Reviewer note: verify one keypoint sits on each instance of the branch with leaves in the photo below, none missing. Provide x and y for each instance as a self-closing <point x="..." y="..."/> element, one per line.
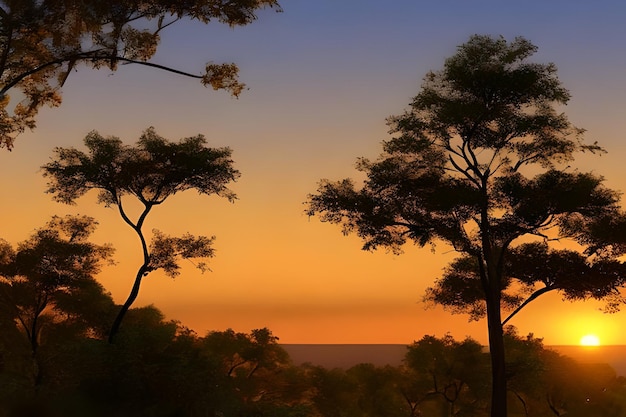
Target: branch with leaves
<point x="42" y="43"/>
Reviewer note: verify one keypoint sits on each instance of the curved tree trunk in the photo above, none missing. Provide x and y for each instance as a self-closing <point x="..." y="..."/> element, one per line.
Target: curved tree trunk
<point x="143" y="270"/>
<point x="129" y="301"/>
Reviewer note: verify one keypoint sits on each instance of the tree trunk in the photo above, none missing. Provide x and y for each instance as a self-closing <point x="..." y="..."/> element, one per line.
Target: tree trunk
<point x="129" y="301"/>
<point x="496" y="352"/>
<point x="490" y="273"/>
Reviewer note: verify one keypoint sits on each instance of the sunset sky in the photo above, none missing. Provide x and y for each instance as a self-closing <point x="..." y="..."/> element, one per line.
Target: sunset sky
<point x="322" y="77"/>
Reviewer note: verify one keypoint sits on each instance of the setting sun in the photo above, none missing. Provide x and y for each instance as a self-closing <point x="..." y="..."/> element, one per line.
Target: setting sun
<point x="590" y="340"/>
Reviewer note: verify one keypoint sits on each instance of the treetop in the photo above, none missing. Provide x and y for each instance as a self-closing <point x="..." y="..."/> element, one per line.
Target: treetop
<point x="151" y="171"/>
<point x="481" y="150"/>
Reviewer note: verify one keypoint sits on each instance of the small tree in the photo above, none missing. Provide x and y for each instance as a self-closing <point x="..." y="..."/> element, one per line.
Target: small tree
<point x="255" y="367"/>
<point x="42" y="42"/>
<point x="48" y="281"/>
<point x="150" y="172"/>
<point x="244" y="354"/>
<point x="478" y="162"/>
<point x="456" y="371"/>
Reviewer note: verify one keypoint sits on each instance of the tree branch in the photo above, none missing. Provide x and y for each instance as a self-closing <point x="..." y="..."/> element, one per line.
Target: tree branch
<point x="161" y="67"/>
<point x="463" y="171"/>
<point x="75" y="57"/>
<point x="93" y="57"/>
<point x="7" y="46"/>
<point x="527" y="301"/>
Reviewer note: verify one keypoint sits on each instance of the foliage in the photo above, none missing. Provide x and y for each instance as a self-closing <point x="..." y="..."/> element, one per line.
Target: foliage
<point x="478" y="162"/>
<point x="258" y="372"/>
<point x="362" y="390"/>
<point x="150" y="172"/>
<point x="456" y="372"/>
<point x="42" y="42"/>
<point x="377" y="393"/>
<point x="160" y="368"/>
<point x="244" y="354"/>
<point x="49" y="279"/>
<point x="531" y="270"/>
<point x="49" y="302"/>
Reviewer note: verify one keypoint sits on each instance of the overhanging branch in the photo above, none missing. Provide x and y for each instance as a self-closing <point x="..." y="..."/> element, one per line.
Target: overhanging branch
<point x="532" y="297"/>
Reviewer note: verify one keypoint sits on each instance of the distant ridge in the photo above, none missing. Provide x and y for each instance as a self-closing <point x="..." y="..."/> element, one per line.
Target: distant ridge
<point x="347" y="355"/>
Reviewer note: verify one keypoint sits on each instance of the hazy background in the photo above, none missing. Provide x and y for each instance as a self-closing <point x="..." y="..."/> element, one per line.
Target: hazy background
<point x="322" y="78"/>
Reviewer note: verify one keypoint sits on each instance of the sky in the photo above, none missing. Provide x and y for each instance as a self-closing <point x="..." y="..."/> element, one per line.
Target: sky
<point x="323" y="76"/>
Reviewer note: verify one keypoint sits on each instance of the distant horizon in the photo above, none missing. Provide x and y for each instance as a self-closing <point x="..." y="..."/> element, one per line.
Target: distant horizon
<point x="409" y="344"/>
<point x="346" y="355"/>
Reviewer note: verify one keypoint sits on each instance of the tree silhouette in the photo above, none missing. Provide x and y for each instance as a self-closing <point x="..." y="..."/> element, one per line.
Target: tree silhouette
<point x="48" y="280"/>
<point x="477" y="162"/>
<point x="257" y="369"/>
<point x="152" y="171"/>
<point x="456" y="371"/>
<point x="42" y="42"/>
<point x="244" y="354"/>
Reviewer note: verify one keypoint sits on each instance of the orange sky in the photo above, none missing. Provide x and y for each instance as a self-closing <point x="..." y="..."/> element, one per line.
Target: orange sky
<point x="322" y="80"/>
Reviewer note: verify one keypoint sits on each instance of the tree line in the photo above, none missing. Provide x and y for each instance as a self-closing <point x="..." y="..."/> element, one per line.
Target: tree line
<point x="160" y="368"/>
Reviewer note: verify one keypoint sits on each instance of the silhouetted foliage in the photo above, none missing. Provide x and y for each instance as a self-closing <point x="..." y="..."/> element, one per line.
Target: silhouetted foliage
<point x="457" y="372"/>
<point x="531" y="270"/>
<point x="258" y="371"/>
<point x="150" y="172"/>
<point x="42" y="42"/>
<point x="332" y="392"/>
<point x="477" y="162"/>
<point x="49" y="302"/>
<point x="50" y="276"/>
<point x="377" y="391"/>
<point x="244" y="354"/>
<point x="159" y="368"/>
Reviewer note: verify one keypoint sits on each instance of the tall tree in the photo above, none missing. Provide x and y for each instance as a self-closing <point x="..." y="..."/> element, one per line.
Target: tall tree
<point x="479" y="161"/>
<point x="43" y="41"/>
<point x="151" y="171"/>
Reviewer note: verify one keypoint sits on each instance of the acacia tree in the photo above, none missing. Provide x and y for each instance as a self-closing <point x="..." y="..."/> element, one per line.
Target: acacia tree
<point x="479" y="161"/>
<point x="151" y="171"/>
<point x="43" y="41"/>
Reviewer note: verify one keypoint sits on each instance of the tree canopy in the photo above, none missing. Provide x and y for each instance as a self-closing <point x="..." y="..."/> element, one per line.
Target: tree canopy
<point x="47" y="274"/>
<point x="456" y="371"/>
<point x="43" y="41"/>
<point x="48" y="291"/>
<point x="149" y="172"/>
<point x="480" y="160"/>
<point x="531" y="270"/>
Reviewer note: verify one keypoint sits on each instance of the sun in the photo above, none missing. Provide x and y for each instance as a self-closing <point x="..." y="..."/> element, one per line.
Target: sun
<point x="590" y="340"/>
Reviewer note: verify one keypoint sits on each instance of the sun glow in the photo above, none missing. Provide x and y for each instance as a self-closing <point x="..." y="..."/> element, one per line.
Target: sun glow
<point x="590" y="340"/>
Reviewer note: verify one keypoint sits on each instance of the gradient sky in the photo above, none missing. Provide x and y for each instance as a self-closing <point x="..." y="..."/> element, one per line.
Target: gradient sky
<point x="322" y="78"/>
